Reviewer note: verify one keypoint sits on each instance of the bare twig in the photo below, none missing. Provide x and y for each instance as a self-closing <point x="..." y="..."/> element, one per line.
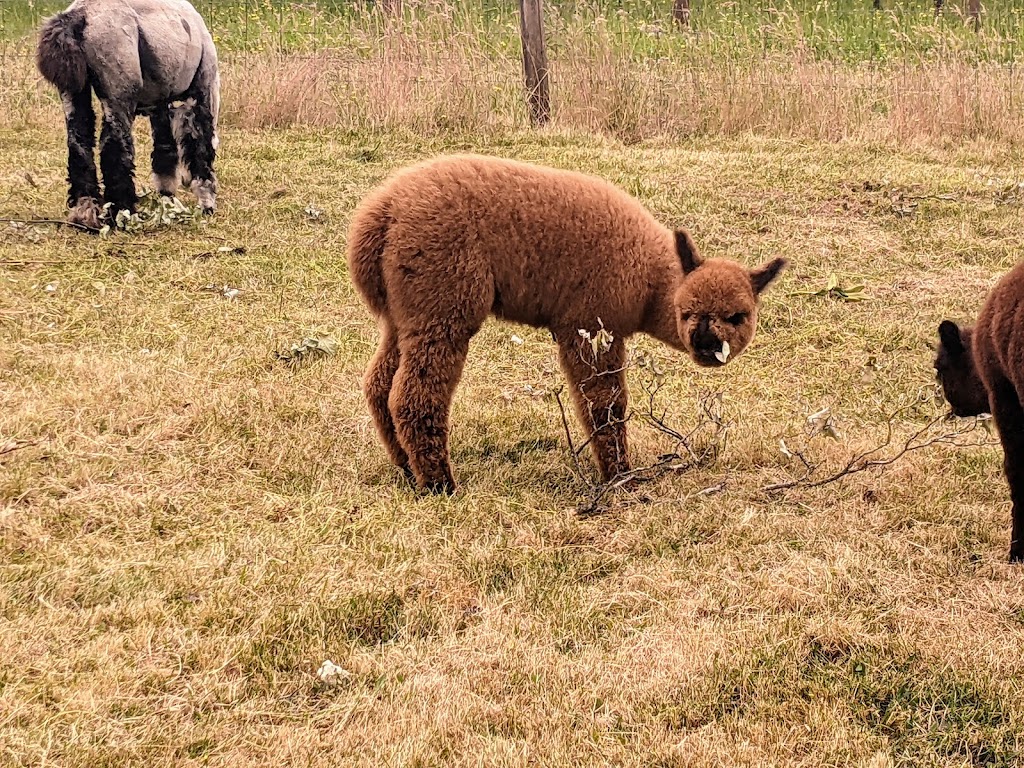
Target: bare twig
<point x="26" y="262"/>
<point x="56" y="222"/>
<point x="700" y="445"/>
<point x="565" y="425"/>
<point x="16" y="445"/>
<point x="863" y="461"/>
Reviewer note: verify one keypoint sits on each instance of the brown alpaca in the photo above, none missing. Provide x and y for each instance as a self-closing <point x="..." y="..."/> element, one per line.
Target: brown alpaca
<point x="981" y="369"/>
<point x="444" y="244"/>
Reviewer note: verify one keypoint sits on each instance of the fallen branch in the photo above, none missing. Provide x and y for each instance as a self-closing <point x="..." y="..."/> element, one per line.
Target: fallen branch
<point x="56" y="222"/>
<point x="864" y="461"/>
<point x="697" y="447"/>
<point x="16" y="445"/>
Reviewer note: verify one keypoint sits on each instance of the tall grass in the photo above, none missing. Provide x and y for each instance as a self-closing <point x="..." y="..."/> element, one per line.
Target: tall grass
<point x="830" y="71"/>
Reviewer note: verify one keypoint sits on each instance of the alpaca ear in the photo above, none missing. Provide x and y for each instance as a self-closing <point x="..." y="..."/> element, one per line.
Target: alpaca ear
<point x="687" y="252"/>
<point x="762" y="277"/>
<point x="949" y="334"/>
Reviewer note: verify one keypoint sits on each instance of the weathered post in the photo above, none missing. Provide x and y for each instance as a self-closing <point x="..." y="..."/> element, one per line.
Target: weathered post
<point x="681" y="12"/>
<point x="535" y="60"/>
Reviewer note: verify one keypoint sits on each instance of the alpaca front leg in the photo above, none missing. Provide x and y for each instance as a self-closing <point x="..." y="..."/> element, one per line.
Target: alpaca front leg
<point x="420" y="401"/>
<point x="599" y="393"/>
<point x="1009" y="417"/>
<point x="83" y="185"/>
<point x="117" y="156"/>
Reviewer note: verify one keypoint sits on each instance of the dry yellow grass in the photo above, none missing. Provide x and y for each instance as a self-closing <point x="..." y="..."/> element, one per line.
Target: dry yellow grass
<point x="188" y="527"/>
<point x="438" y="74"/>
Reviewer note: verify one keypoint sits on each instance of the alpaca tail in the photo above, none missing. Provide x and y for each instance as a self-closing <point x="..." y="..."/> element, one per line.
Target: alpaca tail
<point x="60" y="56"/>
<point x="367" y="238"/>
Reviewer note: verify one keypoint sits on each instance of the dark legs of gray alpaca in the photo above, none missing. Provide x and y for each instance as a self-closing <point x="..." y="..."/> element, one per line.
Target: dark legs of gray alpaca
<point x="165" y="152"/>
<point x="194" y="130"/>
<point x="83" y="186"/>
<point x="117" y="156"/>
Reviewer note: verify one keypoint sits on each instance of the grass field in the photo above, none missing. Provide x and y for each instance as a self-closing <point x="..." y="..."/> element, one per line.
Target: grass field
<point x="847" y="30"/>
<point x="190" y="526"/>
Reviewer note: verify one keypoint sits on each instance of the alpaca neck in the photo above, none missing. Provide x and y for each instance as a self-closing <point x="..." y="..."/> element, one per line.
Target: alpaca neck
<point x="660" y="317"/>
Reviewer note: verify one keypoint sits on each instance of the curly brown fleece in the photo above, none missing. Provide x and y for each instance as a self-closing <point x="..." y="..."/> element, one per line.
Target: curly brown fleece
<point x="982" y="369"/>
<point x="444" y="244"/>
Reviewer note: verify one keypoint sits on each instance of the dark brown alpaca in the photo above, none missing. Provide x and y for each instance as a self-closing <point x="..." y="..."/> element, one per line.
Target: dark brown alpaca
<point x="981" y="370"/>
<point x="442" y="245"/>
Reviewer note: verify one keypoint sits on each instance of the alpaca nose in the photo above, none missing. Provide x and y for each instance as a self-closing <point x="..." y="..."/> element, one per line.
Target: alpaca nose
<point x="708" y="349"/>
<point x="704" y="339"/>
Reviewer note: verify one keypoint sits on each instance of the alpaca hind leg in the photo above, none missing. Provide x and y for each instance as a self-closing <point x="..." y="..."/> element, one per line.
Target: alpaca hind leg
<point x="117" y="155"/>
<point x="192" y="121"/>
<point x="165" y="152"/>
<point x="377" y="387"/>
<point x="1009" y="417"/>
<point x="598" y="386"/>
<point x="83" y="185"/>
<point x="429" y="370"/>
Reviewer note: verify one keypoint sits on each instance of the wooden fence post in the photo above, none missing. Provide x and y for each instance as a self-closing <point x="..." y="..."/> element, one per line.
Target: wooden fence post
<point x="535" y="60"/>
<point x="681" y="12"/>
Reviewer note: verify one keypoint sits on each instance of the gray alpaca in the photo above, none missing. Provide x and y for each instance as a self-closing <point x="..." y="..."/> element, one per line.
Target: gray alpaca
<point x="140" y="57"/>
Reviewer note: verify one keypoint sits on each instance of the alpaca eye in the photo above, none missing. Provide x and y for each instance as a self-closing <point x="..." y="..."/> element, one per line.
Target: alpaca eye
<point x="736" y="319"/>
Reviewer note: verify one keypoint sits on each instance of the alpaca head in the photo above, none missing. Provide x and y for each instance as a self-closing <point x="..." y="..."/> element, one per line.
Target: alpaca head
<point x="954" y="368"/>
<point x="716" y="303"/>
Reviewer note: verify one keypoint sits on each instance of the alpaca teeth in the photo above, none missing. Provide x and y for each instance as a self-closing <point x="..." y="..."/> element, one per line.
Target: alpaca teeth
<point x="723" y="353"/>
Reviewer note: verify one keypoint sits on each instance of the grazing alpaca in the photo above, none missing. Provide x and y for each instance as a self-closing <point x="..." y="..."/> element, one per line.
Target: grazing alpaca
<point x="981" y="370"/>
<point x="141" y="57"/>
<point x="445" y="244"/>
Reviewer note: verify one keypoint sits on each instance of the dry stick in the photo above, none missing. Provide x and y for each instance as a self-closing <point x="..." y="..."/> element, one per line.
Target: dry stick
<point x="58" y="222"/>
<point x="14" y="445"/>
<point x="565" y="425"/>
<point x="676" y="462"/>
<point x="671" y="462"/>
<point x="946" y="198"/>
<point x="861" y="462"/>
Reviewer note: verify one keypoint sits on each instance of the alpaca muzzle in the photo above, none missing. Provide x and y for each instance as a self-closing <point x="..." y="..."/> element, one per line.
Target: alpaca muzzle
<point x="708" y="350"/>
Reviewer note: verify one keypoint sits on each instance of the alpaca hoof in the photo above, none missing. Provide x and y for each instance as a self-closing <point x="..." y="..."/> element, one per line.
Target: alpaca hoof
<point x="1017" y="554"/>
<point x="209" y="211"/>
<point x="205" y="191"/>
<point x="86" y="212"/>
